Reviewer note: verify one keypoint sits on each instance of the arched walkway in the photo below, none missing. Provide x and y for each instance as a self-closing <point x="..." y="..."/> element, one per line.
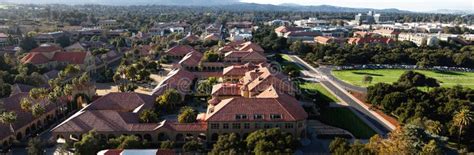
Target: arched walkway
<point x="163" y="137"/>
<point x="179" y="137"/>
<point x="147" y="137"/>
<point x="139" y="136"/>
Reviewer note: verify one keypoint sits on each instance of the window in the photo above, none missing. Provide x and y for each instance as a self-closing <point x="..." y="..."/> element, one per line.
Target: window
<point x="258" y="116"/>
<point x="275" y="116"/>
<point x="246" y="125"/>
<point x="257" y="126"/>
<point x="267" y="126"/>
<point x="300" y="125"/>
<point x="225" y="126"/>
<point x="240" y="116"/>
<point x="235" y="125"/>
<point x="277" y="125"/>
<point x="214" y="126"/>
<point x="289" y="125"/>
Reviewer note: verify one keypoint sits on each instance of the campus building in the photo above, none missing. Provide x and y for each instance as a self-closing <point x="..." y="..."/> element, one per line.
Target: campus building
<point x="263" y="101"/>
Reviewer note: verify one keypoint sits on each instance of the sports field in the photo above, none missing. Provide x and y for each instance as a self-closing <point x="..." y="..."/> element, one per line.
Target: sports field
<point x="446" y="79"/>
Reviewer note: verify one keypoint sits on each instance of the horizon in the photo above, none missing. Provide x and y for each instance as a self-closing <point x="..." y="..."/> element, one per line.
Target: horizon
<point x="408" y="5"/>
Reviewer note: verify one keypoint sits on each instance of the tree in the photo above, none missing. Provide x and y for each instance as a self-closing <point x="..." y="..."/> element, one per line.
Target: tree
<point x="415" y="79"/>
<point x="25" y="104"/>
<point x="210" y="56"/>
<point x="35" y="146"/>
<point x="126" y="142"/>
<point x="187" y="115"/>
<point x="193" y="146"/>
<point x="462" y="119"/>
<point x="8" y="118"/>
<point x="410" y="139"/>
<point x="28" y="43"/>
<point x="228" y="144"/>
<point x="338" y="145"/>
<point x="127" y="87"/>
<point x="167" y="145"/>
<point x="89" y="144"/>
<point x="205" y="87"/>
<point x="64" y="41"/>
<point x="38" y="93"/>
<point x="367" y="79"/>
<point x="298" y="47"/>
<point x="432" y="148"/>
<point x="271" y="140"/>
<point x="5" y="89"/>
<point x="37" y="110"/>
<point x="169" y="100"/>
<point x="148" y="116"/>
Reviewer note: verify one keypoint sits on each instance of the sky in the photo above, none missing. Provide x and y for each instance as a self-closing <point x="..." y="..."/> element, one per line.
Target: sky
<point x="411" y="5"/>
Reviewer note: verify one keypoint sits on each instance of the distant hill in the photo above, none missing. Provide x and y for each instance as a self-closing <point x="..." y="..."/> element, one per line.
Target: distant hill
<point x="313" y="8"/>
<point x="224" y="4"/>
<point x="448" y="11"/>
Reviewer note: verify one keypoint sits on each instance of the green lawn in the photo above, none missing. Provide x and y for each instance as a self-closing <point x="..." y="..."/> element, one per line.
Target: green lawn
<point x="287" y="62"/>
<point x="345" y="119"/>
<point x="317" y="87"/>
<point x="446" y="79"/>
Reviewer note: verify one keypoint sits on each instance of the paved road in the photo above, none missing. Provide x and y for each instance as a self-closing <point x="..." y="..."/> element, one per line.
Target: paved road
<point x="361" y="111"/>
<point x="326" y="70"/>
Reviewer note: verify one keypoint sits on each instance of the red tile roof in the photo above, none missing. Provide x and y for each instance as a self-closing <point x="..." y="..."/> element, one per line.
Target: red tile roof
<point x="47" y="48"/>
<point x="303" y="33"/>
<point x="34" y="58"/>
<point x="103" y="121"/>
<point x="323" y="39"/>
<point x="179" y="79"/>
<point x="236" y="54"/>
<point x="285" y="29"/>
<point x="254" y="57"/>
<point x="368" y="40"/>
<point x="179" y="50"/>
<point x="185" y="127"/>
<point x="191" y="59"/>
<point x="226" y="89"/>
<point x="260" y="79"/>
<point x="237" y="70"/>
<point x="387" y="31"/>
<point x="287" y="106"/>
<point x="249" y="46"/>
<point x="212" y="36"/>
<point x="226" y="49"/>
<point x="191" y="38"/>
<point x="12" y="103"/>
<point x="125" y="102"/>
<point x="70" y="57"/>
<point x="235" y="43"/>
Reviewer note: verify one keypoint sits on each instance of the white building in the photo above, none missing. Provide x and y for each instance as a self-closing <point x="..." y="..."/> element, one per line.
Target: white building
<point x="311" y="22"/>
<point x="419" y="38"/>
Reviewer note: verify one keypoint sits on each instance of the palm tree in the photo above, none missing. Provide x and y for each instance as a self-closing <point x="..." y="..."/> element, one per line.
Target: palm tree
<point x="37" y="110"/>
<point x="35" y="146"/>
<point x="462" y="119"/>
<point x="25" y="104"/>
<point x="8" y="118"/>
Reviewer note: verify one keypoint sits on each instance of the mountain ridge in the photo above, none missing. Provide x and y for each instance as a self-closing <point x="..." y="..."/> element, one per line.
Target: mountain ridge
<point x="231" y="5"/>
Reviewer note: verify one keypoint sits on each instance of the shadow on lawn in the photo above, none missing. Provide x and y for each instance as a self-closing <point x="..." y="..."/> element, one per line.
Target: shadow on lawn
<point x="447" y="72"/>
<point x="363" y="73"/>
